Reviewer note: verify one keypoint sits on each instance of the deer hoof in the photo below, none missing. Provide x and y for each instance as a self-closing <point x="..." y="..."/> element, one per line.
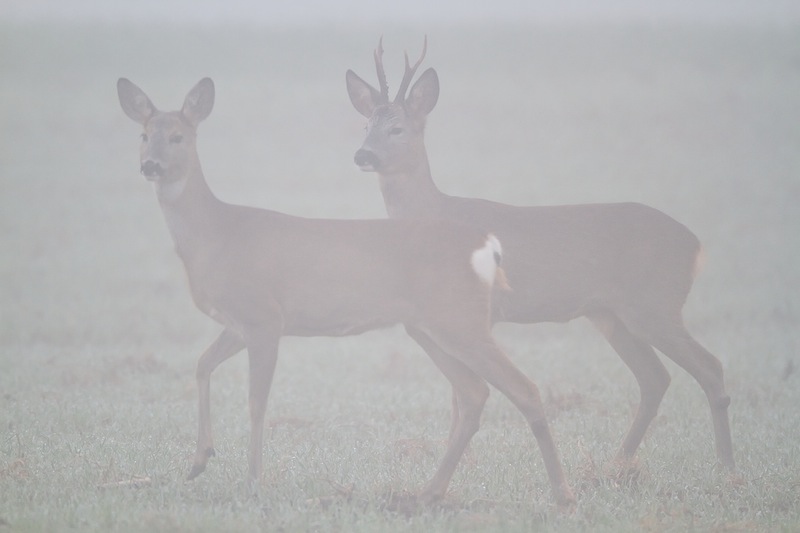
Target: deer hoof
<point x="199" y="466"/>
<point x="195" y="471"/>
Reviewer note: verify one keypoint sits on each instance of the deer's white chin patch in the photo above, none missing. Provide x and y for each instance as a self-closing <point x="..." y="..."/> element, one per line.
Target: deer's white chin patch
<point x="170" y="190"/>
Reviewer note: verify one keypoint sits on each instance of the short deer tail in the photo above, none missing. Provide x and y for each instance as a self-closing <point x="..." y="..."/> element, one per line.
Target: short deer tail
<point x="486" y="263"/>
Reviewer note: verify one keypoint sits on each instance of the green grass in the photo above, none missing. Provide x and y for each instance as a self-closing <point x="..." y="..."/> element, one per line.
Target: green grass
<point x="99" y="338"/>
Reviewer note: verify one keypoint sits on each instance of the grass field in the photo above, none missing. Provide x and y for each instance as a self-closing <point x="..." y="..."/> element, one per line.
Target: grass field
<point x="99" y="337"/>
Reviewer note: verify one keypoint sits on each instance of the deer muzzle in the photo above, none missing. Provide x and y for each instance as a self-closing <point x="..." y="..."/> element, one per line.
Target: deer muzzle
<point x="151" y="170"/>
<point x="366" y="160"/>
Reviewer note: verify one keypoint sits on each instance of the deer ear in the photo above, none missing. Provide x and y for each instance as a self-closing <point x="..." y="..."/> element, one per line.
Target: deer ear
<point x="424" y="94"/>
<point x="134" y="102"/>
<point x="199" y="102"/>
<point x="363" y="96"/>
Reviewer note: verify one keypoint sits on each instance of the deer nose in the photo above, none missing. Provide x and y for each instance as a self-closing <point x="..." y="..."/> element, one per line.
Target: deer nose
<point x="151" y="169"/>
<point x="366" y="159"/>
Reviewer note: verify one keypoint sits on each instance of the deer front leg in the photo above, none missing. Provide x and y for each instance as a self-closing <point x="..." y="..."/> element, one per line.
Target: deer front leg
<point x="651" y="375"/>
<point x="472" y="393"/>
<point x="226" y="346"/>
<point x="497" y="369"/>
<point x="262" y="350"/>
<point x="485" y="359"/>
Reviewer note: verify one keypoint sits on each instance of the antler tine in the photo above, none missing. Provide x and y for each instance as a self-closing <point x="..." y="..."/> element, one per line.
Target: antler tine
<point x="410" y="71"/>
<point x="381" y="72"/>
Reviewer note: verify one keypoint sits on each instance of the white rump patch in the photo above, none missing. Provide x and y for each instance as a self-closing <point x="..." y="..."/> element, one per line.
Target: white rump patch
<point x="486" y="259"/>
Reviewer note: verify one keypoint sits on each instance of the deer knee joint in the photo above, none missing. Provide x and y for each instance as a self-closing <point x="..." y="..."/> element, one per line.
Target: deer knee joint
<point x="722" y="402"/>
<point x="540" y="426"/>
<point x="202" y="373"/>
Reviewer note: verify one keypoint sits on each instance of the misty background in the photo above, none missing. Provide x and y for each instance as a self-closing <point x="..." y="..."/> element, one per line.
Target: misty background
<point x="691" y="107"/>
<point x="359" y="12"/>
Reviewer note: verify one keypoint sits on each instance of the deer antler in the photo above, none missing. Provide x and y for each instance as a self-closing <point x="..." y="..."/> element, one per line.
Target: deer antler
<point x="381" y="73"/>
<point x="409" y="73"/>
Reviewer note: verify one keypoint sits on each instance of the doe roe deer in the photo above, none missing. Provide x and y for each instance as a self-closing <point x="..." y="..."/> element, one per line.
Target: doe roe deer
<point x="263" y="274"/>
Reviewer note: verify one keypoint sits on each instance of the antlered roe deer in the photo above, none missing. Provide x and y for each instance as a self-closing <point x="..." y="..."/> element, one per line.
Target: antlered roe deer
<point x="625" y="266"/>
<point x="264" y="274"/>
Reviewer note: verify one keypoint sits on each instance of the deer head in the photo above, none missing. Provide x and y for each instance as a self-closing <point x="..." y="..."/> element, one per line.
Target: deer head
<point x="168" y="152"/>
<point x="395" y="129"/>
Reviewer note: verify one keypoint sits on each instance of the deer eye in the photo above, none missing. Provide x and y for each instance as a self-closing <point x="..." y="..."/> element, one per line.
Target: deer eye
<point x="396" y="130"/>
<point x="175" y="139"/>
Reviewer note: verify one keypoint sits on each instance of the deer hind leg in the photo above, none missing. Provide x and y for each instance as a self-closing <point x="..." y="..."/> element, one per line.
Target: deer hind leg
<point x="673" y="340"/>
<point x="485" y="359"/>
<point x="436" y="354"/>
<point x="651" y="375"/>
<point x="226" y="346"/>
<point x="470" y="393"/>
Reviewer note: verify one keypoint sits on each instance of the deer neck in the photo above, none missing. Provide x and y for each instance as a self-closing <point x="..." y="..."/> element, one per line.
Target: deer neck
<point x="410" y="192"/>
<point x="191" y="211"/>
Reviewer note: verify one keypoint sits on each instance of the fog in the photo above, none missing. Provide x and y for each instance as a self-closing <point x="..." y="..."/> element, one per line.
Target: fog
<point x="345" y="13"/>
<point x="691" y="107"/>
